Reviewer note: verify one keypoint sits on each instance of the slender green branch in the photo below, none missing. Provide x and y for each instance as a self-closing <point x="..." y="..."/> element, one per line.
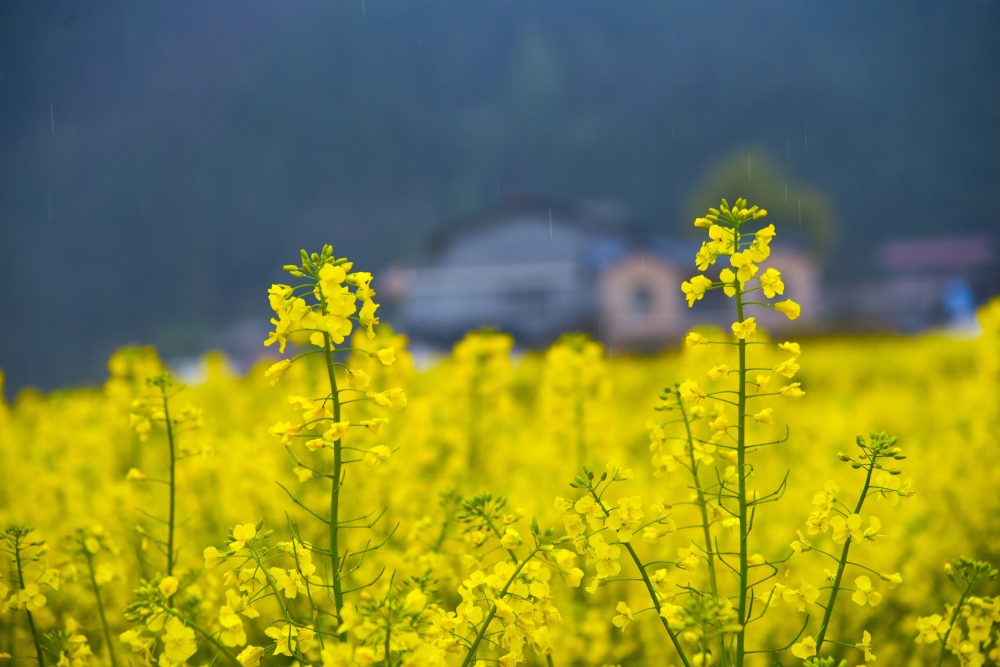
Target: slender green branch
<point x="20" y="580"/>
<point x="173" y="480"/>
<point x="705" y="523"/>
<point x="337" y="479"/>
<point x="493" y="610"/>
<point x="100" y="608"/>
<point x="842" y="565"/>
<point x="211" y="638"/>
<point x="951" y="622"/>
<point x="741" y="462"/>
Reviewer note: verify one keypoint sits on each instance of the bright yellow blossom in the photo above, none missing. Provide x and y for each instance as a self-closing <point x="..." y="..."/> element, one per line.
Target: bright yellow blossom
<point x="805" y="648"/>
<point x="745" y="330"/>
<point x="788" y="308"/>
<point x="624" y="617"/>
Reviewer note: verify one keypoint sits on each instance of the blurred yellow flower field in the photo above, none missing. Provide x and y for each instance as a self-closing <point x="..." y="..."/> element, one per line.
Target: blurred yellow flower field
<point x="459" y="535"/>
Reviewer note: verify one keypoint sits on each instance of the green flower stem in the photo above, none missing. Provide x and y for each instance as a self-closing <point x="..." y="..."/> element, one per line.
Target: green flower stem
<point x="951" y="622"/>
<point x="338" y="593"/>
<point x="100" y="609"/>
<point x="388" y="635"/>
<point x="493" y="610"/>
<point x="272" y="584"/>
<point x="842" y="565"/>
<point x="649" y="584"/>
<point x="656" y="604"/>
<point x="581" y="433"/>
<point x="31" y="620"/>
<point x="705" y="524"/>
<point x="741" y="462"/>
<point x="173" y="484"/>
<point x="475" y="409"/>
<point x="222" y="648"/>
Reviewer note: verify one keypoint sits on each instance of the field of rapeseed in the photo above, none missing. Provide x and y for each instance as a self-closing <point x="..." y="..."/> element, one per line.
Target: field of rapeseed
<point x="741" y="501"/>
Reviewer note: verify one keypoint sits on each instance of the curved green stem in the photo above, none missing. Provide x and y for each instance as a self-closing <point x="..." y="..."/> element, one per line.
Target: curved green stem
<point x="951" y="623"/>
<point x="100" y="609"/>
<point x="31" y="620"/>
<point x="842" y="565"/>
<point x="493" y="610"/>
<point x="741" y="462"/>
<point x="337" y="477"/>
<point x="705" y="525"/>
<point x="172" y="484"/>
<point x="649" y="585"/>
<point x="222" y="648"/>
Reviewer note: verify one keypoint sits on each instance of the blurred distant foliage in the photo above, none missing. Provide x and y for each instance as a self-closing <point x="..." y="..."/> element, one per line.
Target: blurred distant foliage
<point x="796" y="209"/>
<point x="141" y="141"/>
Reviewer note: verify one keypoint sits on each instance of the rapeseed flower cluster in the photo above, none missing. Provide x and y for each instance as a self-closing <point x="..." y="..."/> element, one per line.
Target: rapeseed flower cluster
<point x="479" y="580"/>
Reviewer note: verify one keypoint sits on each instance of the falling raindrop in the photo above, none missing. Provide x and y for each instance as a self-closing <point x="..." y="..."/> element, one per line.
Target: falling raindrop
<point x="362" y="7"/>
<point x="805" y="139"/>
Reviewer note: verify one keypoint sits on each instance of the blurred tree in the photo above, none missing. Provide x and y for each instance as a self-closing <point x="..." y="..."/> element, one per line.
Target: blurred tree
<point x="794" y="208"/>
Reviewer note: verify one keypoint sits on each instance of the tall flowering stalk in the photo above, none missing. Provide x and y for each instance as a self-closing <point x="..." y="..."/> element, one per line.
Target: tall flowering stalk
<point x="729" y="231"/>
<point x="324" y="308"/>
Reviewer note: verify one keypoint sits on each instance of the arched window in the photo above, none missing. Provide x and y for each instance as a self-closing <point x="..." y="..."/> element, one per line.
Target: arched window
<point x="640" y="299"/>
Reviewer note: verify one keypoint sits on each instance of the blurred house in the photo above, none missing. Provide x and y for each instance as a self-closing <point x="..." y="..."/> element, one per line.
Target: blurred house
<point x="928" y="282"/>
<point x="537" y="269"/>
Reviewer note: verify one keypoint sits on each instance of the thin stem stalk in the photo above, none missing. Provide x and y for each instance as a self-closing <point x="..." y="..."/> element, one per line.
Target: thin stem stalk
<point x="100" y="609"/>
<point x="172" y="483"/>
<point x="741" y="463"/>
<point x="337" y="476"/>
<point x="31" y="620"/>
<point x="842" y="564"/>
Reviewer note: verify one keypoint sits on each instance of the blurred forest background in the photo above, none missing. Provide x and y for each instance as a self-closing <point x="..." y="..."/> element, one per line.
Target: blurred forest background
<point x="160" y="161"/>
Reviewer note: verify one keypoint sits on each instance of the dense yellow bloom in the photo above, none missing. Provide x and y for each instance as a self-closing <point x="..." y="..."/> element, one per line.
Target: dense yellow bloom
<point x="745" y="268"/>
<point x="168" y="586"/>
<point x="250" y="656"/>
<point x="788" y="308"/>
<point x="865" y="593"/>
<point x="722" y="240"/>
<point x="242" y="534"/>
<point x="745" y="330"/>
<point x="866" y="646"/>
<point x="720" y="372"/>
<point x="694" y="289"/>
<point x="391" y="398"/>
<point x="232" y="628"/>
<point x="178" y="641"/>
<point x="276" y="370"/>
<point x="694" y="338"/>
<point x="624" y="617"/>
<point x="375" y="455"/>
<point x="285" y="636"/>
<point x="805" y="648"/>
<point x="793" y="348"/>
<point x="358" y="379"/>
<point x="771" y="283"/>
